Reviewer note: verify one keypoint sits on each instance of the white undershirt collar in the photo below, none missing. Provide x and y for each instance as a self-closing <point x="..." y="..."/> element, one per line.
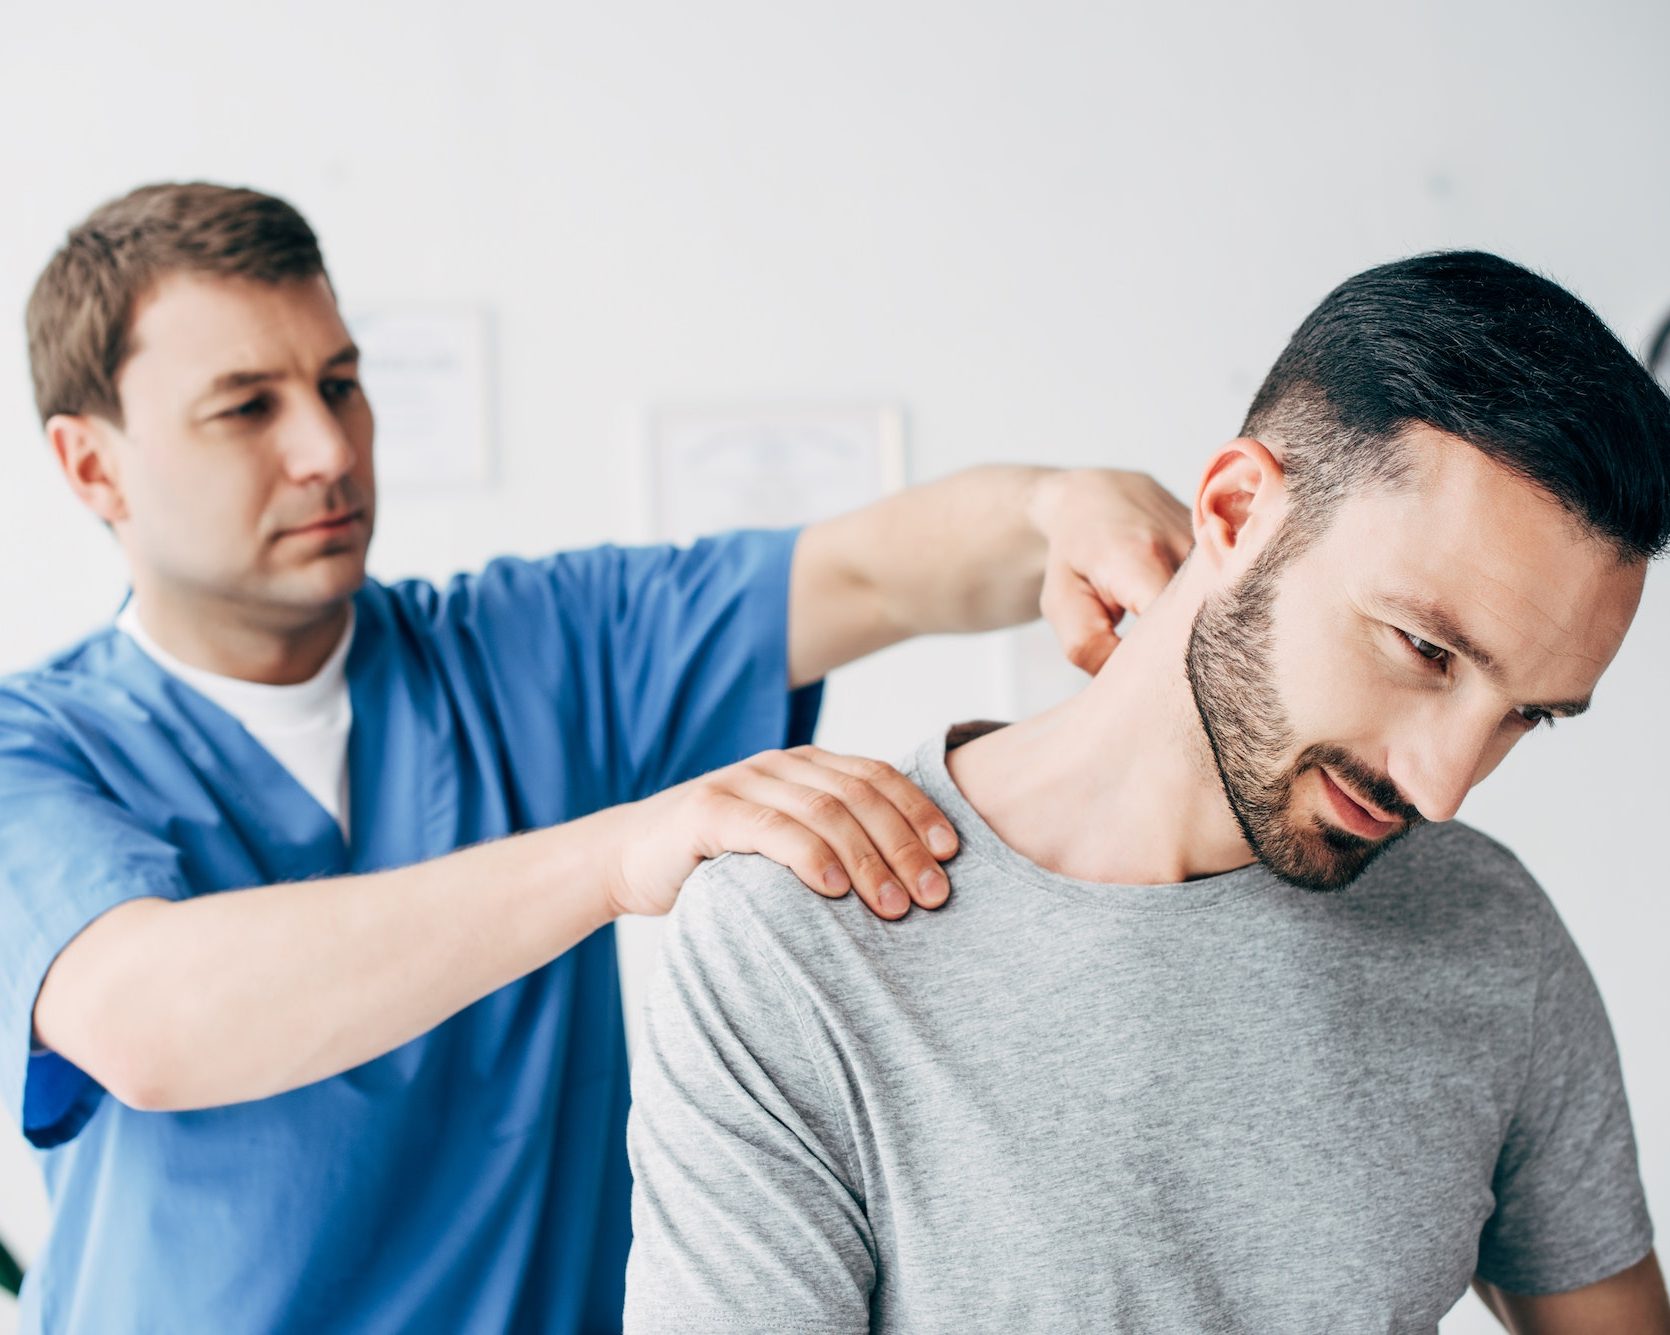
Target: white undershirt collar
<point x="304" y="726"/>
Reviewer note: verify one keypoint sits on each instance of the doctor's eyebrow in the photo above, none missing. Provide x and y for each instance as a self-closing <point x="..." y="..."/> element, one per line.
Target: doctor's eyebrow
<point x="1446" y="629"/>
<point x="231" y="380"/>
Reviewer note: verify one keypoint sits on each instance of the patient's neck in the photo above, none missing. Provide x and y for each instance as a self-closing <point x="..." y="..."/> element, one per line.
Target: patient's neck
<point x="1118" y="783"/>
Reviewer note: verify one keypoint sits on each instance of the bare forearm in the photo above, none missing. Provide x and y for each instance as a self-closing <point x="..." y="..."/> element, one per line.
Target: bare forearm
<point x="245" y="994"/>
<point x="963" y="554"/>
<point x="1633" y="1300"/>
<point x="982" y="549"/>
<point x="960" y="554"/>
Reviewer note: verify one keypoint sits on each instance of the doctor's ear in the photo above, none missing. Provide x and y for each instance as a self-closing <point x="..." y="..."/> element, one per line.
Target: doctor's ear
<point x="1239" y="504"/>
<point x="85" y="446"/>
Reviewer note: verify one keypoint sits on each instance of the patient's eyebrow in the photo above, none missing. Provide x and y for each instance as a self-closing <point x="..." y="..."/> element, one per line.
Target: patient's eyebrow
<point x="1445" y="628"/>
<point x="1441" y="625"/>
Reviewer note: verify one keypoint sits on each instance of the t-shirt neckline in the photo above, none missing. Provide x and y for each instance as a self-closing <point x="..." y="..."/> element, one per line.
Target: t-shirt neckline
<point x="982" y="843"/>
<point x="303" y="704"/>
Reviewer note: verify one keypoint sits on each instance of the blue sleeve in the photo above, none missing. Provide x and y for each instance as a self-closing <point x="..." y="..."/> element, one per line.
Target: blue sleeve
<point x="68" y="853"/>
<point x="665" y="662"/>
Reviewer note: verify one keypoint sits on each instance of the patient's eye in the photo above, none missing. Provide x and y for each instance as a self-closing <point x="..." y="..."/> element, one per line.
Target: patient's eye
<point x="1432" y="653"/>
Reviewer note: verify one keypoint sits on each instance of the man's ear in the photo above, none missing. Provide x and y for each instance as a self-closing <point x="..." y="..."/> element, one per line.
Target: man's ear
<point x="1239" y="504"/>
<point x="85" y="446"/>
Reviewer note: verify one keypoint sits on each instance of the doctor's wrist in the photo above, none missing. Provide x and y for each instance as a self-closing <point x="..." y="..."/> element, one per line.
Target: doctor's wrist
<point x="576" y="874"/>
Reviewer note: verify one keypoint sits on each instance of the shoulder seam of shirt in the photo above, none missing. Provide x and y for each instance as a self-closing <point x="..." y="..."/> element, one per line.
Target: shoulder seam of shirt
<point x="848" y="1148"/>
<point x="1536" y="1012"/>
<point x="63" y="660"/>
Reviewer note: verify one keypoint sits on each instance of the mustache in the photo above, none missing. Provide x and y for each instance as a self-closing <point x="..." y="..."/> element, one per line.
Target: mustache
<point x="1376" y="787"/>
<point x="344" y="495"/>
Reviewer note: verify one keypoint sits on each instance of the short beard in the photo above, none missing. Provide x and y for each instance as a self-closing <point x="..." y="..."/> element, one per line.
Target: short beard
<point x="1228" y="662"/>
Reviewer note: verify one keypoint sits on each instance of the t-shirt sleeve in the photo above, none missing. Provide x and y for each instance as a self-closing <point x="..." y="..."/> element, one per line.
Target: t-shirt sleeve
<point x="671" y="661"/>
<point x="68" y="853"/>
<point x="1570" y="1209"/>
<point x="746" y="1216"/>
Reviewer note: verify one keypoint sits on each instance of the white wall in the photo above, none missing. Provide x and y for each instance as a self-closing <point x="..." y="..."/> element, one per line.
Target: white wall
<point x="1062" y="232"/>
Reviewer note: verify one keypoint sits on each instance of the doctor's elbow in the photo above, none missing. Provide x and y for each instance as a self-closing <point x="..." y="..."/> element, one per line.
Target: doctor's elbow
<point x="136" y="1084"/>
<point x="99" y="1008"/>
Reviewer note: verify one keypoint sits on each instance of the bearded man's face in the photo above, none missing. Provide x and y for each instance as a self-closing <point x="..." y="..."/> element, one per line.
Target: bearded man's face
<point x="1365" y="669"/>
<point x="1261" y="764"/>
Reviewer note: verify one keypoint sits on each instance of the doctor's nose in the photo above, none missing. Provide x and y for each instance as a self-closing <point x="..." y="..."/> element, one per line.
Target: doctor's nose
<point x="316" y="446"/>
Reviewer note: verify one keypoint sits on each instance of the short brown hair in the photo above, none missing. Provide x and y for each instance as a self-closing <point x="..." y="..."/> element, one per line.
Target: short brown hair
<point x="80" y="312"/>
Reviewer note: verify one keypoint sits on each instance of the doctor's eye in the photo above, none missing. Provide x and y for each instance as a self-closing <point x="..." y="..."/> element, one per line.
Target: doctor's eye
<point x="339" y="390"/>
<point x="249" y="409"/>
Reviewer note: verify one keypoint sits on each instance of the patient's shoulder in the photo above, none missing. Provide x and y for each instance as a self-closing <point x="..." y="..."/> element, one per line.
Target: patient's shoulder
<point x="1451" y="881"/>
<point x="743" y="904"/>
<point x="748" y="888"/>
<point x="730" y="874"/>
<point x="1466" y="861"/>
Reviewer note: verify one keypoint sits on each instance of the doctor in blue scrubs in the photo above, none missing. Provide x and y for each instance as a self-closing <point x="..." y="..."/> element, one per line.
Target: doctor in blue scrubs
<point x="308" y="996"/>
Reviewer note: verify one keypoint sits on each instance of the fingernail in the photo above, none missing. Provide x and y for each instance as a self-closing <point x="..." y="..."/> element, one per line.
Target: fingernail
<point x="933" y="888"/>
<point x="893" y="899"/>
<point x="835" y="880"/>
<point x="942" y="841"/>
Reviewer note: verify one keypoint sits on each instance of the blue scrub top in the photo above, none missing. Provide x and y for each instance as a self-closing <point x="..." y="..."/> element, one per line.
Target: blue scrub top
<point x="474" y="1179"/>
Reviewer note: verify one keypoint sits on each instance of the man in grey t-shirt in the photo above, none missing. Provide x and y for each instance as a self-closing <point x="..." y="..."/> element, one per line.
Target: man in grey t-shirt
<point x="1144" y="1072"/>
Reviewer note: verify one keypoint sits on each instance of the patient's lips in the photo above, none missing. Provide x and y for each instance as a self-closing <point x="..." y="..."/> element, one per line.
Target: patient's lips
<point x="1352" y="812"/>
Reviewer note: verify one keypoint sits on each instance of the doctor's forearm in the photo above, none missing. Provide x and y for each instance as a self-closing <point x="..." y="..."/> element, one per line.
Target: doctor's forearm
<point x="960" y="554"/>
<point x="245" y="994"/>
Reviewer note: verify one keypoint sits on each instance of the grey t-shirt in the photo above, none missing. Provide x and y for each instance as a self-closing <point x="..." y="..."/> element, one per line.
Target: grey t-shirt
<point x="1059" y="1106"/>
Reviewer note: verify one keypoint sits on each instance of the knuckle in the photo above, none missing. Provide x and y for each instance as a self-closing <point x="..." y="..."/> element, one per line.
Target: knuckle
<point x="854" y="791"/>
<point x="825" y="808"/>
<point x="924" y="813"/>
<point x="1147" y="545"/>
<point x="869" y="865"/>
<point x="707" y="797"/>
<point x="876" y="771"/>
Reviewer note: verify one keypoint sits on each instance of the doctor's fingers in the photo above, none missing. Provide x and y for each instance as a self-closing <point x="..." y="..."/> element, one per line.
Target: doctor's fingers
<point x="1081" y="618"/>
<point x="883" y="856"/>
<point x="773" y="821"/>
<point x="926" y="819"/>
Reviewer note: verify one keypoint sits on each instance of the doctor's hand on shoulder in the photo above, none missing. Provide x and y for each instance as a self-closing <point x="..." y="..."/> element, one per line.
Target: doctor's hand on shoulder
<point x="838" y="822"/>
<point x="1092" y="545"/>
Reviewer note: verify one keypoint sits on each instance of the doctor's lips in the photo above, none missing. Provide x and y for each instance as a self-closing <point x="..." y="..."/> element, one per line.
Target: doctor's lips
<point x="339" y="521"/>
